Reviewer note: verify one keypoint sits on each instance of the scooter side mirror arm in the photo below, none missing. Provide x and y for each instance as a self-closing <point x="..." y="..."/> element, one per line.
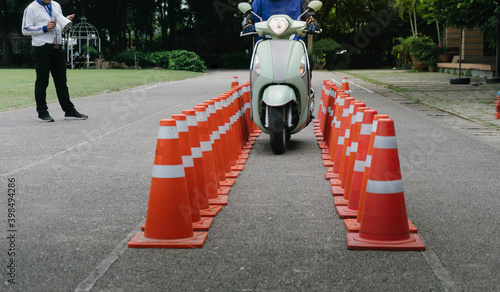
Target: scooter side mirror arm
<point x="314" y="6"/>
<point x="247" y="8"/>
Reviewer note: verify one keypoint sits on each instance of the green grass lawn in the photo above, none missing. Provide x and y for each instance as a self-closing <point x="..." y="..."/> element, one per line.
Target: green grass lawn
<point x="17" y="85"/>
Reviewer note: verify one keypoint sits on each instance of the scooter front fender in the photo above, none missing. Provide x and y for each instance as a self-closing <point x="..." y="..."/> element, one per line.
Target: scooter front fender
<point x="278" y="95"/>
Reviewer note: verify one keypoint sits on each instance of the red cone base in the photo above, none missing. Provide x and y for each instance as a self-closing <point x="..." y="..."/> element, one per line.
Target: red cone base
<point x="227" y="183"/>
<point x="413" y="243"/>
<point x="232" y="174"/>
<point x="337" y="191"/>
<point x="340" y="201"/>
<point x="345" y="212"/>
<point x="353" y="226"/>
<point x="328" y="163"/>
<point x="224" y="191"/>
<point x="139" y="241"/>
<point x="203" y="225"/>
<point x="211" y="211"/>
<point x="335" y="182"/>
<point x="220" y="200"/>
<point x="238" y="167"/>
<point x="331" y="175"/>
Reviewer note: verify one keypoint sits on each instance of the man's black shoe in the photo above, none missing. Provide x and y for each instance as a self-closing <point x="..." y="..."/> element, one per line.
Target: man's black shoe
<point x="75" y="115"/>
<point x="45" y="117"/>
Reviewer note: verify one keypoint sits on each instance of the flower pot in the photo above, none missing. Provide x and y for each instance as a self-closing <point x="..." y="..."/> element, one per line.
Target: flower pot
<point x="419" y="66"/>
<point x="432" y="68"/>
<point x="445" y="57"/>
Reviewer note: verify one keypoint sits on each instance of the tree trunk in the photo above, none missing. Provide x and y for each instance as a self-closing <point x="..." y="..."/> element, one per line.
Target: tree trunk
<point x="7" y="53"/>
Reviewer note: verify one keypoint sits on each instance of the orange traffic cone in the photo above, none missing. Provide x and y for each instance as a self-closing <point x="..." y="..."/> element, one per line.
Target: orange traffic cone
<point x="168" y="219"/>
<point x="338" y="185"/>
<point x="353" y="186"/>
<point x="199" y="223"/>
<point x="384" y="225"/>
<point x="350" y="155"/>
<point x="353" y="225"/>
<point x="328" y="160"/>
<point x="211" y="175"/>
<point x="345" y="85"/>
<point x="206" y="210"/>
<point x="235" y="82"/>
<point x="337" y="155"/>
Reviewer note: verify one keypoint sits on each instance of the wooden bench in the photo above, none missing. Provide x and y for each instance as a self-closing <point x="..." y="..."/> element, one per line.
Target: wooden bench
<point x="468" y="66"/>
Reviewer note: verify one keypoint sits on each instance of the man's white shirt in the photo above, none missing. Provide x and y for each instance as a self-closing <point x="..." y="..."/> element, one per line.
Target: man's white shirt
<point x="35" y="18"/>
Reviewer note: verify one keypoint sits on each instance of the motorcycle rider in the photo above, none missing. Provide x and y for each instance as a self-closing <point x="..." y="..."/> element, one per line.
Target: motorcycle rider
<point x="292" y="8"/>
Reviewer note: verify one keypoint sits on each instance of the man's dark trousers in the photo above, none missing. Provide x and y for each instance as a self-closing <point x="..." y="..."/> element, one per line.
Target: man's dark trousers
<point x="50" y="59"/>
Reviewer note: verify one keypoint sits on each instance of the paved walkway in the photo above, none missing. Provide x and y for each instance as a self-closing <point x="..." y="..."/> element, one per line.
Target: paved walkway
<point x="82" y="191"/>
<point x="474" y="102"/>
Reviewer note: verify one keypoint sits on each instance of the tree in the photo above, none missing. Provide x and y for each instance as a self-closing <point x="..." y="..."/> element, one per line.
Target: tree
<point x="484" y="14"/>
<point x="412" y="7"/>
<point x="11" y="14"/>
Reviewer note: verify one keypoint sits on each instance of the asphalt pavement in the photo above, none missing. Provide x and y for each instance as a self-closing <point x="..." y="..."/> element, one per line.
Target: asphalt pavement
<point x="82" y="187"/>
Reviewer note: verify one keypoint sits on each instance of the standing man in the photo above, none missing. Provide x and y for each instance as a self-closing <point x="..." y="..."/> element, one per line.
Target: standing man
<point x="47" y="53"/>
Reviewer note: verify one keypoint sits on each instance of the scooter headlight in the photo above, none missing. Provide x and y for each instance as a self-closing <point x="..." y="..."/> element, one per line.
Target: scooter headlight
<point x="256" y="64"/>
<point x="302" y="66"/>
<point x="278" y="25"/>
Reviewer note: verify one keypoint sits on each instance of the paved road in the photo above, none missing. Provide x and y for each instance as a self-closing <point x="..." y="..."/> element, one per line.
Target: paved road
<point x="82" y="189"/>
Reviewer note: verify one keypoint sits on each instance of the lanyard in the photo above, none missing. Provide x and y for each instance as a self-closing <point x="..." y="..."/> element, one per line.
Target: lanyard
<point x="49" y="9"/>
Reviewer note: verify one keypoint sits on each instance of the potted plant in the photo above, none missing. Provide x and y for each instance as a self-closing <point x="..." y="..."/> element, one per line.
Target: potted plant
<point x="421" y="48"/>
<point x="431" y="63"/>
<point x="443" y="54"/>
<point x="401" y="52"/>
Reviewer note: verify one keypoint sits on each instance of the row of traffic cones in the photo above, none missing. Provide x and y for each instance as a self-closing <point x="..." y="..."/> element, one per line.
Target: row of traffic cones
<point x="199" y="154"/>
<point x="359" y="148"/>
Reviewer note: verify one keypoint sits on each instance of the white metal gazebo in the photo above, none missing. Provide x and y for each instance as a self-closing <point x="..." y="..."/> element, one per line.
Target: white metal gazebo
<point x="80" y="35"/>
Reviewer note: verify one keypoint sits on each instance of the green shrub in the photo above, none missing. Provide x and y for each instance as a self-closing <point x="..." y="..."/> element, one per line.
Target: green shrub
<point x="128" y="57"/>
<point x="185" y="60"/>
<point x="325" y="52"/>
<point x="158" y="59"/>
<point x="173" y="60"/>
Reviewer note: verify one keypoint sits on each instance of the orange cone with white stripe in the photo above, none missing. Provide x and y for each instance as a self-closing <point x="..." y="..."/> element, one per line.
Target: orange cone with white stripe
<point x="168" y="219"/>
<point x="345" y="85"/>
<point x="354" y="187"/>
<point x="206" y="209"/>
<point x="337" y="155"/>
<point x="384" y="225"/>
<point x="199" y="223"/>
<point x="328" y="160"/>
<point x="235" y="82"/>
<point x="211" y="175"/>
<point x="350" y="155"/>
<point x="353" y="225"/>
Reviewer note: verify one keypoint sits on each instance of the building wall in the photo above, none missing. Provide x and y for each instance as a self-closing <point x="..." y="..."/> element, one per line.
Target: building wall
<point x="472" y="43"/>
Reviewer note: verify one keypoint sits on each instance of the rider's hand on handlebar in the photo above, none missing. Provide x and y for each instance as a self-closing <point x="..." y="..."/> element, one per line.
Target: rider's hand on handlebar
<point x="248" y="26"/>
<point x="313" y="25"/>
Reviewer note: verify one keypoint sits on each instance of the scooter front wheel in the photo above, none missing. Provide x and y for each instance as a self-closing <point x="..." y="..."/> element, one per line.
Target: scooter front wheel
<point x="278" y="141"/>
<point x="277" y="129"/>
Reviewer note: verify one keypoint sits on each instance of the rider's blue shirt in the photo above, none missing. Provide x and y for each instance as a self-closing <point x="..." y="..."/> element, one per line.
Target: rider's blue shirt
<point x="267" y="8"/>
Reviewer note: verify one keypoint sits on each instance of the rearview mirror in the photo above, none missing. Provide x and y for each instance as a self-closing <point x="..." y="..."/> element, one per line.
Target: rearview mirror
<point x="315" y="5"/>
<point x="245" y="7"/>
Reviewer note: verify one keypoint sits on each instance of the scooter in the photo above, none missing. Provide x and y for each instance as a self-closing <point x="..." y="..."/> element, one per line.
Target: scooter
<point x="282" y="100"/>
